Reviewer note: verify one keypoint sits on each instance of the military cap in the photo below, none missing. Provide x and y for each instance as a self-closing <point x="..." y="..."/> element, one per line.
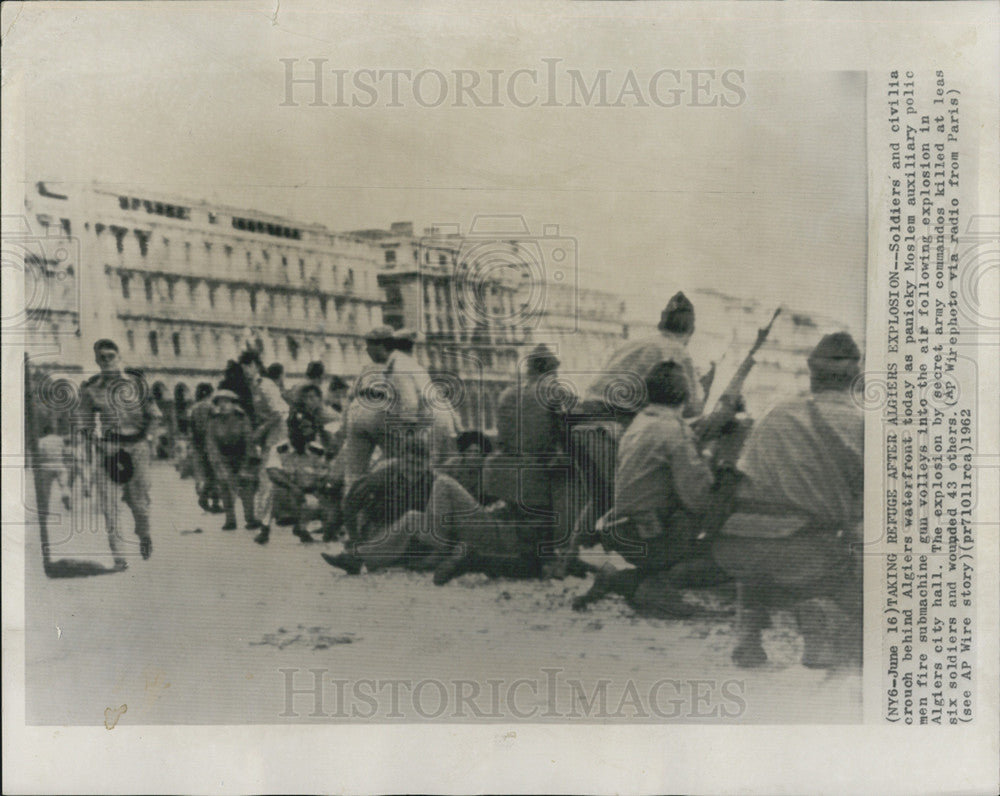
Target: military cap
<point x="839" y="345"/>
<point x="542" y="358"/>
<point x="836" y="355"/>
<point x="105" y="342"/>
<point x="404" y="334"/>
<point x="379" y="334"/>
<point x="679" y="304"/>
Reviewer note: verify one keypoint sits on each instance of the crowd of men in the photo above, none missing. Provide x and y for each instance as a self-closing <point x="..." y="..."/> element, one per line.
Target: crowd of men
<point x="689" y="499"/>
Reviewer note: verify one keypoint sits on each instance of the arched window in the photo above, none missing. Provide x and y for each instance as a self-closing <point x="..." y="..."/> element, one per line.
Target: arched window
<point x="154" y="344"/>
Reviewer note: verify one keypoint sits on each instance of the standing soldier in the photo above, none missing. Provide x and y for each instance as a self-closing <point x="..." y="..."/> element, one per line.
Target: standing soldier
<point x="269" y="414"/>
<point x="228" y="440"/>
<point x="204" y="478"/>
<point x="120" y="398"/>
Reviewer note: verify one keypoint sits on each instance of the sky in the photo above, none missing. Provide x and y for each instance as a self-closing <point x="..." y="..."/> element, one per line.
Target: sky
<point x="766" y="199"/>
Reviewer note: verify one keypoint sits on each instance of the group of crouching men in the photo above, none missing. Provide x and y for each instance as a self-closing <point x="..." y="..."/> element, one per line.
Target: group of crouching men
<point x="689" y="500"/>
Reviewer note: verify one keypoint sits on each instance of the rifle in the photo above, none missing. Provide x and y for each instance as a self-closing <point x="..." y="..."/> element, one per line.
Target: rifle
<point x="710" y="426"/>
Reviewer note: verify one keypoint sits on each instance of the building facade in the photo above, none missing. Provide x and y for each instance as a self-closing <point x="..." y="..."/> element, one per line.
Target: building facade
<point x="184" y="286"/>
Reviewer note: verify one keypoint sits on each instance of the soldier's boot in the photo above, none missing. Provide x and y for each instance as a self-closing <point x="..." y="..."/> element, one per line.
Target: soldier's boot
<point x="203" y="503"/>
<point x="608" y="580"/>
<point x="752" y="617"/>
<point x="252" y="523"/>
<point x="230" y="524"/>
<point x="115" y="543"/>
<point x="145" y="541"/>
<point x="349" y="563"/>
<point x="566" y="562"/>
<point x="264" y="535"/>
<point x="304" y="536"/>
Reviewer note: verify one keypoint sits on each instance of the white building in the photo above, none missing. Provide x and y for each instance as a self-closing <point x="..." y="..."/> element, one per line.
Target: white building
<point x="181" y="285"/>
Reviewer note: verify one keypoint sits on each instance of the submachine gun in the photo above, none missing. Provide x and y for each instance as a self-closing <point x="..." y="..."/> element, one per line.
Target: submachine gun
<point x="718" y="422"/>
<point x="724" y="434"/>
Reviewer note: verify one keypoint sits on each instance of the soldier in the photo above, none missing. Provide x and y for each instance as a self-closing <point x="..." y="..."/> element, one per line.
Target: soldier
<point x="526" y="471"/>
<point x="119" y="397"/>
<point x="617" y="394"/>
<point x="301" y="469"/>
<point x="663" y="488"/>
<point x="794" y="538"/>
<point x="306" y="413"/>
<point x="269" y="414"/>
<point x="228" y="444"/>
<point x="204" y="478"/>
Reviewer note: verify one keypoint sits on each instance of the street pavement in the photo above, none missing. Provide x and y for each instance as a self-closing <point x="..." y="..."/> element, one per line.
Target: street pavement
<point x="215" y="629"/>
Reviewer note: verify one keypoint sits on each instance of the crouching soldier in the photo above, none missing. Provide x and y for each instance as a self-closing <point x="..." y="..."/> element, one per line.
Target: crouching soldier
<point x="795" y="537"/>
<point x="302" y="471"/>
<point x="663" y="488"/>
<point x="229" y="442"/>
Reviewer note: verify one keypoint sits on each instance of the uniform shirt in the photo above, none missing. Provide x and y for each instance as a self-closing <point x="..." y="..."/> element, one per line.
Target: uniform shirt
<point x="807" y="455"/>
<point x="229" y="437"/>
<point x="659" y="467"/>
<point x="634" y="361"/>
<point x="122" y="401"/>
<point x="410" y="381"/>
